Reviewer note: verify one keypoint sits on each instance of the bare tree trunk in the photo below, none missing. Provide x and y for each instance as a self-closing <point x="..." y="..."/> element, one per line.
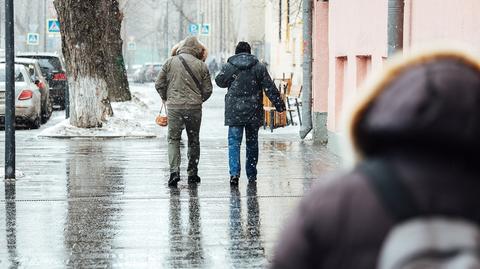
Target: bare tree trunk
<point x="117" y="83"/>
<point x="92" y="48"/>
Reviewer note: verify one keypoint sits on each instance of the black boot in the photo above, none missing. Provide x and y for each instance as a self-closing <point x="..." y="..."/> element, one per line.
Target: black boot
<point x="193" y="179"/>
<point x="234" y="180"/>
<point x="174" y="179"/>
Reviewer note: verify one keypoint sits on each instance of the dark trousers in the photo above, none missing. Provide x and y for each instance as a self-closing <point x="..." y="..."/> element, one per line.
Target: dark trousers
<point x="191" y="119"/>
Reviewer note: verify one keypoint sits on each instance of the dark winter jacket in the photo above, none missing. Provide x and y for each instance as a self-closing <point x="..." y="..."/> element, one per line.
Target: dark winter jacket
<point x="174" y="83"/>
<point x="423" y="117"/>
<point x="246" y="78"/>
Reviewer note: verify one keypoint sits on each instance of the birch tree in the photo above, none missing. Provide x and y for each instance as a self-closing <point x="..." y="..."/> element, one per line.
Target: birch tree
<point x="92" y="47"/>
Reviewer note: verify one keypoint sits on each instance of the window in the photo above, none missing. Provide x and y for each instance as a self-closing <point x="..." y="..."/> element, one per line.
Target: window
<point x="340" y="78"/>
<point x="364" y="65"/>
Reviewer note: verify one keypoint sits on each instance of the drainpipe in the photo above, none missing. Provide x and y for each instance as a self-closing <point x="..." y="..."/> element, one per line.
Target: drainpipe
<point x="307" y="70"/>
<point x="395" y="25"/>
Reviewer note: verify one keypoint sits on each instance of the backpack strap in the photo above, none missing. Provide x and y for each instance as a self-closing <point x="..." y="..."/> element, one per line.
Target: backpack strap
<point x="393" y="193"/>
<point x="189" y="70"/>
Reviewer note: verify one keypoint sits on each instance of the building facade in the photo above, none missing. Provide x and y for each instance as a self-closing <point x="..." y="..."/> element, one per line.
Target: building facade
<point x="350" y="42"/>
<point x="232" y="21"/>
<point x="284" y="38"/>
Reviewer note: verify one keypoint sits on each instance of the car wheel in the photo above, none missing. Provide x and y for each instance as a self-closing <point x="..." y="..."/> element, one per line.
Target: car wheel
<point x="35" y="124"/>
<point x="44" y="118"/>
<point x="46" y="113"/>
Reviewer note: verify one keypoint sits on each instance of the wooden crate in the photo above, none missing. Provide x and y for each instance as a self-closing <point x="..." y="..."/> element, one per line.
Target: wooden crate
<point x="279" y="118"/>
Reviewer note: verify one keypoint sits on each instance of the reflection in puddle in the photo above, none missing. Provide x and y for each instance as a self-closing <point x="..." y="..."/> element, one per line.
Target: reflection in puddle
<point x="246" y="247"/>
<point x="11" y="224"/>
<point x="186" y="248"/>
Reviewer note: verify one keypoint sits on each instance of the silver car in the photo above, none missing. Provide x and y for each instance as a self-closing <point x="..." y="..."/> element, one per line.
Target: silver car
<point x="27" y="98"/>
<point x="33" y="67"/>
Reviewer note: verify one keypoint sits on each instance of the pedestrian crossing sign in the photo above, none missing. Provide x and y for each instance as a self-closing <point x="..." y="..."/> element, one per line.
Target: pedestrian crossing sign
<point x="33" y="39"/>
<point x="205" y="29"/>
<point x="53" y="26"/>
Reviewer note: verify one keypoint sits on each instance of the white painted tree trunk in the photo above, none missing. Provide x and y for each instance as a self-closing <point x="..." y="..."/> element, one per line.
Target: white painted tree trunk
<point x="89" y="103"/>
<point x="92" y="48"/>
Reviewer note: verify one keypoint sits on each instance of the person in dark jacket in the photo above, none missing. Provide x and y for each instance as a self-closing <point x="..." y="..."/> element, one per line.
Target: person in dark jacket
<point x="246" y="78"/>
<point x="422" y="116"/>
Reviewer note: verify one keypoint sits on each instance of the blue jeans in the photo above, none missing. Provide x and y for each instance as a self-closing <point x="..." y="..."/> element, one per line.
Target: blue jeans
<point x="235" y="136"/>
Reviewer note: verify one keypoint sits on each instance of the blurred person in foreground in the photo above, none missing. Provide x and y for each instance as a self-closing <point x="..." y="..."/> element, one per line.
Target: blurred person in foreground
<point x="184" y="84"/>
<point x="421" y="117"/>
<point x="246" y="78"/>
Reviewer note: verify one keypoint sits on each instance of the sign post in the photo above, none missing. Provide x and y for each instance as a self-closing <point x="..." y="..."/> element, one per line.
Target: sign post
<point x="9" y="92"/>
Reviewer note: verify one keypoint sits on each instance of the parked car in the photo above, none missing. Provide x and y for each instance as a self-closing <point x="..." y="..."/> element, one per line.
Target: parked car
<point x="33" y="67"/>
<point x="151" y="71"/>
<point x="139" y="75"/>
<point x="53" y="69"/>
<point x="27" y="98"/>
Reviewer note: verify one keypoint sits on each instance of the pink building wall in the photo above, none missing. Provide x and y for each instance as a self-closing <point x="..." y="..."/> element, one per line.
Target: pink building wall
<point x="354" y="35"/>
<point x="428" y="21"/>
<point x="320" y="57"/>
<point x="357" y="45"/>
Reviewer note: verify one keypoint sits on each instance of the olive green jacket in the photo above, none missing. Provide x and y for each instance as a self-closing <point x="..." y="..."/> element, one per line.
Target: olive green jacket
<point x="175" y="85"/>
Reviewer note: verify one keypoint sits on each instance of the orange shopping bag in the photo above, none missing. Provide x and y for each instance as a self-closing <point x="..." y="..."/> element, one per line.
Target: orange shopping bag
<point x="162" y="119"/>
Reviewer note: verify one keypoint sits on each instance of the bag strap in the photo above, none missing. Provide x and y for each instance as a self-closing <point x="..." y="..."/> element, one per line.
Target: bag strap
<point x="162" y="107"/>
<point x="390" y="189"/>
<point x="189" y="70"/>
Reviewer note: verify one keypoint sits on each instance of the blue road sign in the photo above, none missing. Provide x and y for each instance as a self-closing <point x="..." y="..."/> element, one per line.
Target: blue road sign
<point x="33" y="39"/>
<point x="205" y="29"/>
<point x="132" y="45"/>
<point x="53" y="26"/>
<point x="193" y="28"/>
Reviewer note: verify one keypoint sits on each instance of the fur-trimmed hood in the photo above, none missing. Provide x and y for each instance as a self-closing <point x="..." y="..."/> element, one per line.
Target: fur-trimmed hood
<point x="191" y="45"/>
<point x="427" y="101"/>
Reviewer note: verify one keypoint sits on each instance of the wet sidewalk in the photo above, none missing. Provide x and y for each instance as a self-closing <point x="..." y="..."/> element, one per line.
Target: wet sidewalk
<point x="104" y="203"/>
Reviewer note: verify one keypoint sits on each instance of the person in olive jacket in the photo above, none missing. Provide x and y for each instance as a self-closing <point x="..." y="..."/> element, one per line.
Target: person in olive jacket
<point x="184" y="98"/>
<point x="421" y="116"/>
<point x="246" y="78"/>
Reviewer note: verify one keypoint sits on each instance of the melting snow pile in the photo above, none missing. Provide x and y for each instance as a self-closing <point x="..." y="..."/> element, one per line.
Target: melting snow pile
<point x="131" y="119"/>
<point x="18" y="173"/>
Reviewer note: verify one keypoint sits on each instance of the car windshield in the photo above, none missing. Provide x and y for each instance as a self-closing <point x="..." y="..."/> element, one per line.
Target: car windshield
<point x="18" y="75"/>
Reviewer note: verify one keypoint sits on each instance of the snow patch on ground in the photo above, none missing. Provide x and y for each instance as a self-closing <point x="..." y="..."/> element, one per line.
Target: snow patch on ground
<point x="132" y="119"/>
<point x="18" y="174"/>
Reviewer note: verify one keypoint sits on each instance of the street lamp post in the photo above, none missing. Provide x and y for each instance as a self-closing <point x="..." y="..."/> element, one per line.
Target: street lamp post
<point x="9" y="92"/>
